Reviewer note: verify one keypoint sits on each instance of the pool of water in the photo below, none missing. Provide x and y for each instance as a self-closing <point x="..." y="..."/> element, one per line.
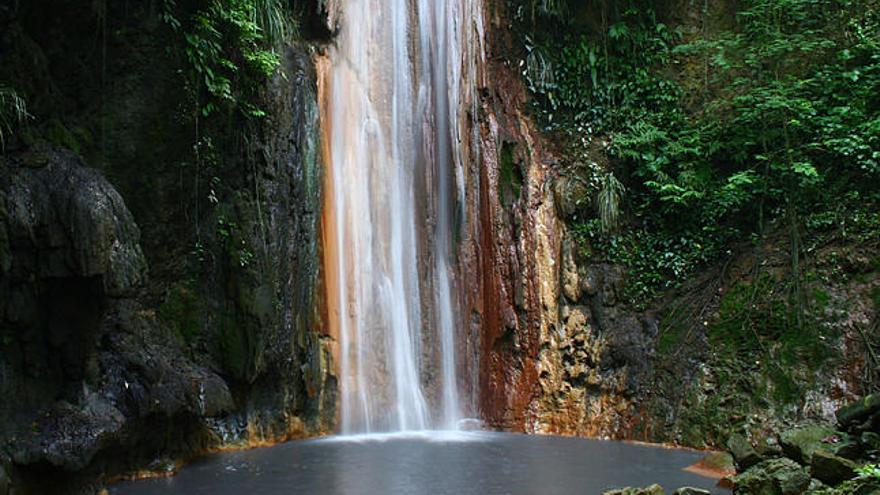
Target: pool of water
<point x="484" y="463"/>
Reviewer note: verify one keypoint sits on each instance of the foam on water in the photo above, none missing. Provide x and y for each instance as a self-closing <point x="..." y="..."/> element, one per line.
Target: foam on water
<point x="439" y="436"/>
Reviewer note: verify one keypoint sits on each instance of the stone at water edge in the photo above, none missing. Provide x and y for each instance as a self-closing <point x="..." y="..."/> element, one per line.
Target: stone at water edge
<point x="859" y="410"/>
<point x="800" y="443"/>
<point x="832" y="469"/>
<point x="689" y="490"/>
<point x="779" y="476"/>
<point x="654" y="489"/>
<point x="718" y="464"/>
<point x="743" y="453"/>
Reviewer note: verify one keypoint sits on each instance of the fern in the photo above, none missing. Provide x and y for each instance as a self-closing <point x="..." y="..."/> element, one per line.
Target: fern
<point x="13" y="112"/>
<point x="230" y="47"/>
<point x="539" y="70"/>
<point x="272" y="18"/>
<point x="609" y="199"/>
<point x="869" y="471"/>
<point x="558" y="8"/>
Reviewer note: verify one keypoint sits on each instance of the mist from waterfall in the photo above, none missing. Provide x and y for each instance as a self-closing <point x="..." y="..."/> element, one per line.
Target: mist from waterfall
<point x="391" y="97"/>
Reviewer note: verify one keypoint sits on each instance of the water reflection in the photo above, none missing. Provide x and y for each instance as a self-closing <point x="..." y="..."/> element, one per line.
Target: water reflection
<point x="432" y="462"/>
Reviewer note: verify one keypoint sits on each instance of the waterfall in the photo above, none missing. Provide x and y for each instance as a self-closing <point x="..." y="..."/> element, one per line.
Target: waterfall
<point x="392" y="97"/>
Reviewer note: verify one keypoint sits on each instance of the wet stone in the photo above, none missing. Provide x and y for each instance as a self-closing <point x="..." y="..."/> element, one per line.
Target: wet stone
<point x="773" y="477"/>
<point x="800" y="443"/>
<point x="689" y="490"/>
<point x="830" y="468"/>
<point x="743" y="453"/>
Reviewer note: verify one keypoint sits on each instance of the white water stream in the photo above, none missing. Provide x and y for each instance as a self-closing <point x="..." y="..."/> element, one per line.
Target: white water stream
<point x="392" y="94"/>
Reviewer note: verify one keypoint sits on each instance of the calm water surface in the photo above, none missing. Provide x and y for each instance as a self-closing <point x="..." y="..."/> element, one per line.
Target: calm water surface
<point x="431" y="463"/>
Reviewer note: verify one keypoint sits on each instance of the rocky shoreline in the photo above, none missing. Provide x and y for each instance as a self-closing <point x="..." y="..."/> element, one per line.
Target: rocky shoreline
<point x="839" y="459"/>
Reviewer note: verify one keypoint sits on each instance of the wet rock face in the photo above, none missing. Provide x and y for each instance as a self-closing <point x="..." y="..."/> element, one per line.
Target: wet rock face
<point x="559" y="351"/>
<point x="113" y="353"/>
<point x="288" y="382"/>
<point x="509" y="253"/>
<point x="69" y="247"/>
<point x="593" y="366"/>
<point x="65" y="221"/>
<point x="84" y="366"/>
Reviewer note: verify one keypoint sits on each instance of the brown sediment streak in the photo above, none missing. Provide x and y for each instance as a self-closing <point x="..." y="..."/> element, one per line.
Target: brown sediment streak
<point x="493" y="392"/>
<point x="518" y="246"/>
<point x="329" y="245"/>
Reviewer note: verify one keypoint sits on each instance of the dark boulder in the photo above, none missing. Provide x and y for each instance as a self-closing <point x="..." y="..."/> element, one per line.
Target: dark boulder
<point x="831" y="469"/>
<point x="800" y="443"/>
<point x="859" y="411"/>
<point x="87" y="369"/>
<point x="779" y="476"/>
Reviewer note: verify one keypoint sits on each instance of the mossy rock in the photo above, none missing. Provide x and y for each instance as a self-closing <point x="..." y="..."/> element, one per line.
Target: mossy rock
<point x="848" y="447"/>
<point x="181" y="311"/>
<point x="773" y="477"/>
<point x="859" y="410"/>
<point x="654" y="489"/>
<point x="769" y="447"/>
<point x="743" y="453"/>
<point x="719" y="462"/>
<point x="831" y="469"/>
<point x="689" y="490"/>
<point x="799" y="444"/>
<point x="75" y="139"/>
<point x="510" y="176"/>
<point x="859" y="486"/>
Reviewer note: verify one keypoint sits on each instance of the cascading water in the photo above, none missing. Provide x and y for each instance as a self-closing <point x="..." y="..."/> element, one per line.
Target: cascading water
<point x="391" y="93"/>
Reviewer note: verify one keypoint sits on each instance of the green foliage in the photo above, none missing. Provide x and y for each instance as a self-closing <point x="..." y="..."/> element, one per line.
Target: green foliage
<point x="228" y="232"/>
<point x="273" y="20"/>
<point x="762" y="323"/>
<point x="765" y="349"/>
<point x="75" y="139"/>
<point x="229" y="47"/>
<point x="869" y="471"/>
<point x="610" y="197"/>
<point x="181" y="312"/>
<point x="774" y="117"/>
<point x="13" y="113"/>
<point x="510" y="176"/>
<point x="582" y="84"/>
<point x="654" y="262"/>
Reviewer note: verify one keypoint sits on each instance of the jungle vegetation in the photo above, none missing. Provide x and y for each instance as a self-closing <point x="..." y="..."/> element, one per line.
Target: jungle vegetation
<point x="751" y="114"/>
